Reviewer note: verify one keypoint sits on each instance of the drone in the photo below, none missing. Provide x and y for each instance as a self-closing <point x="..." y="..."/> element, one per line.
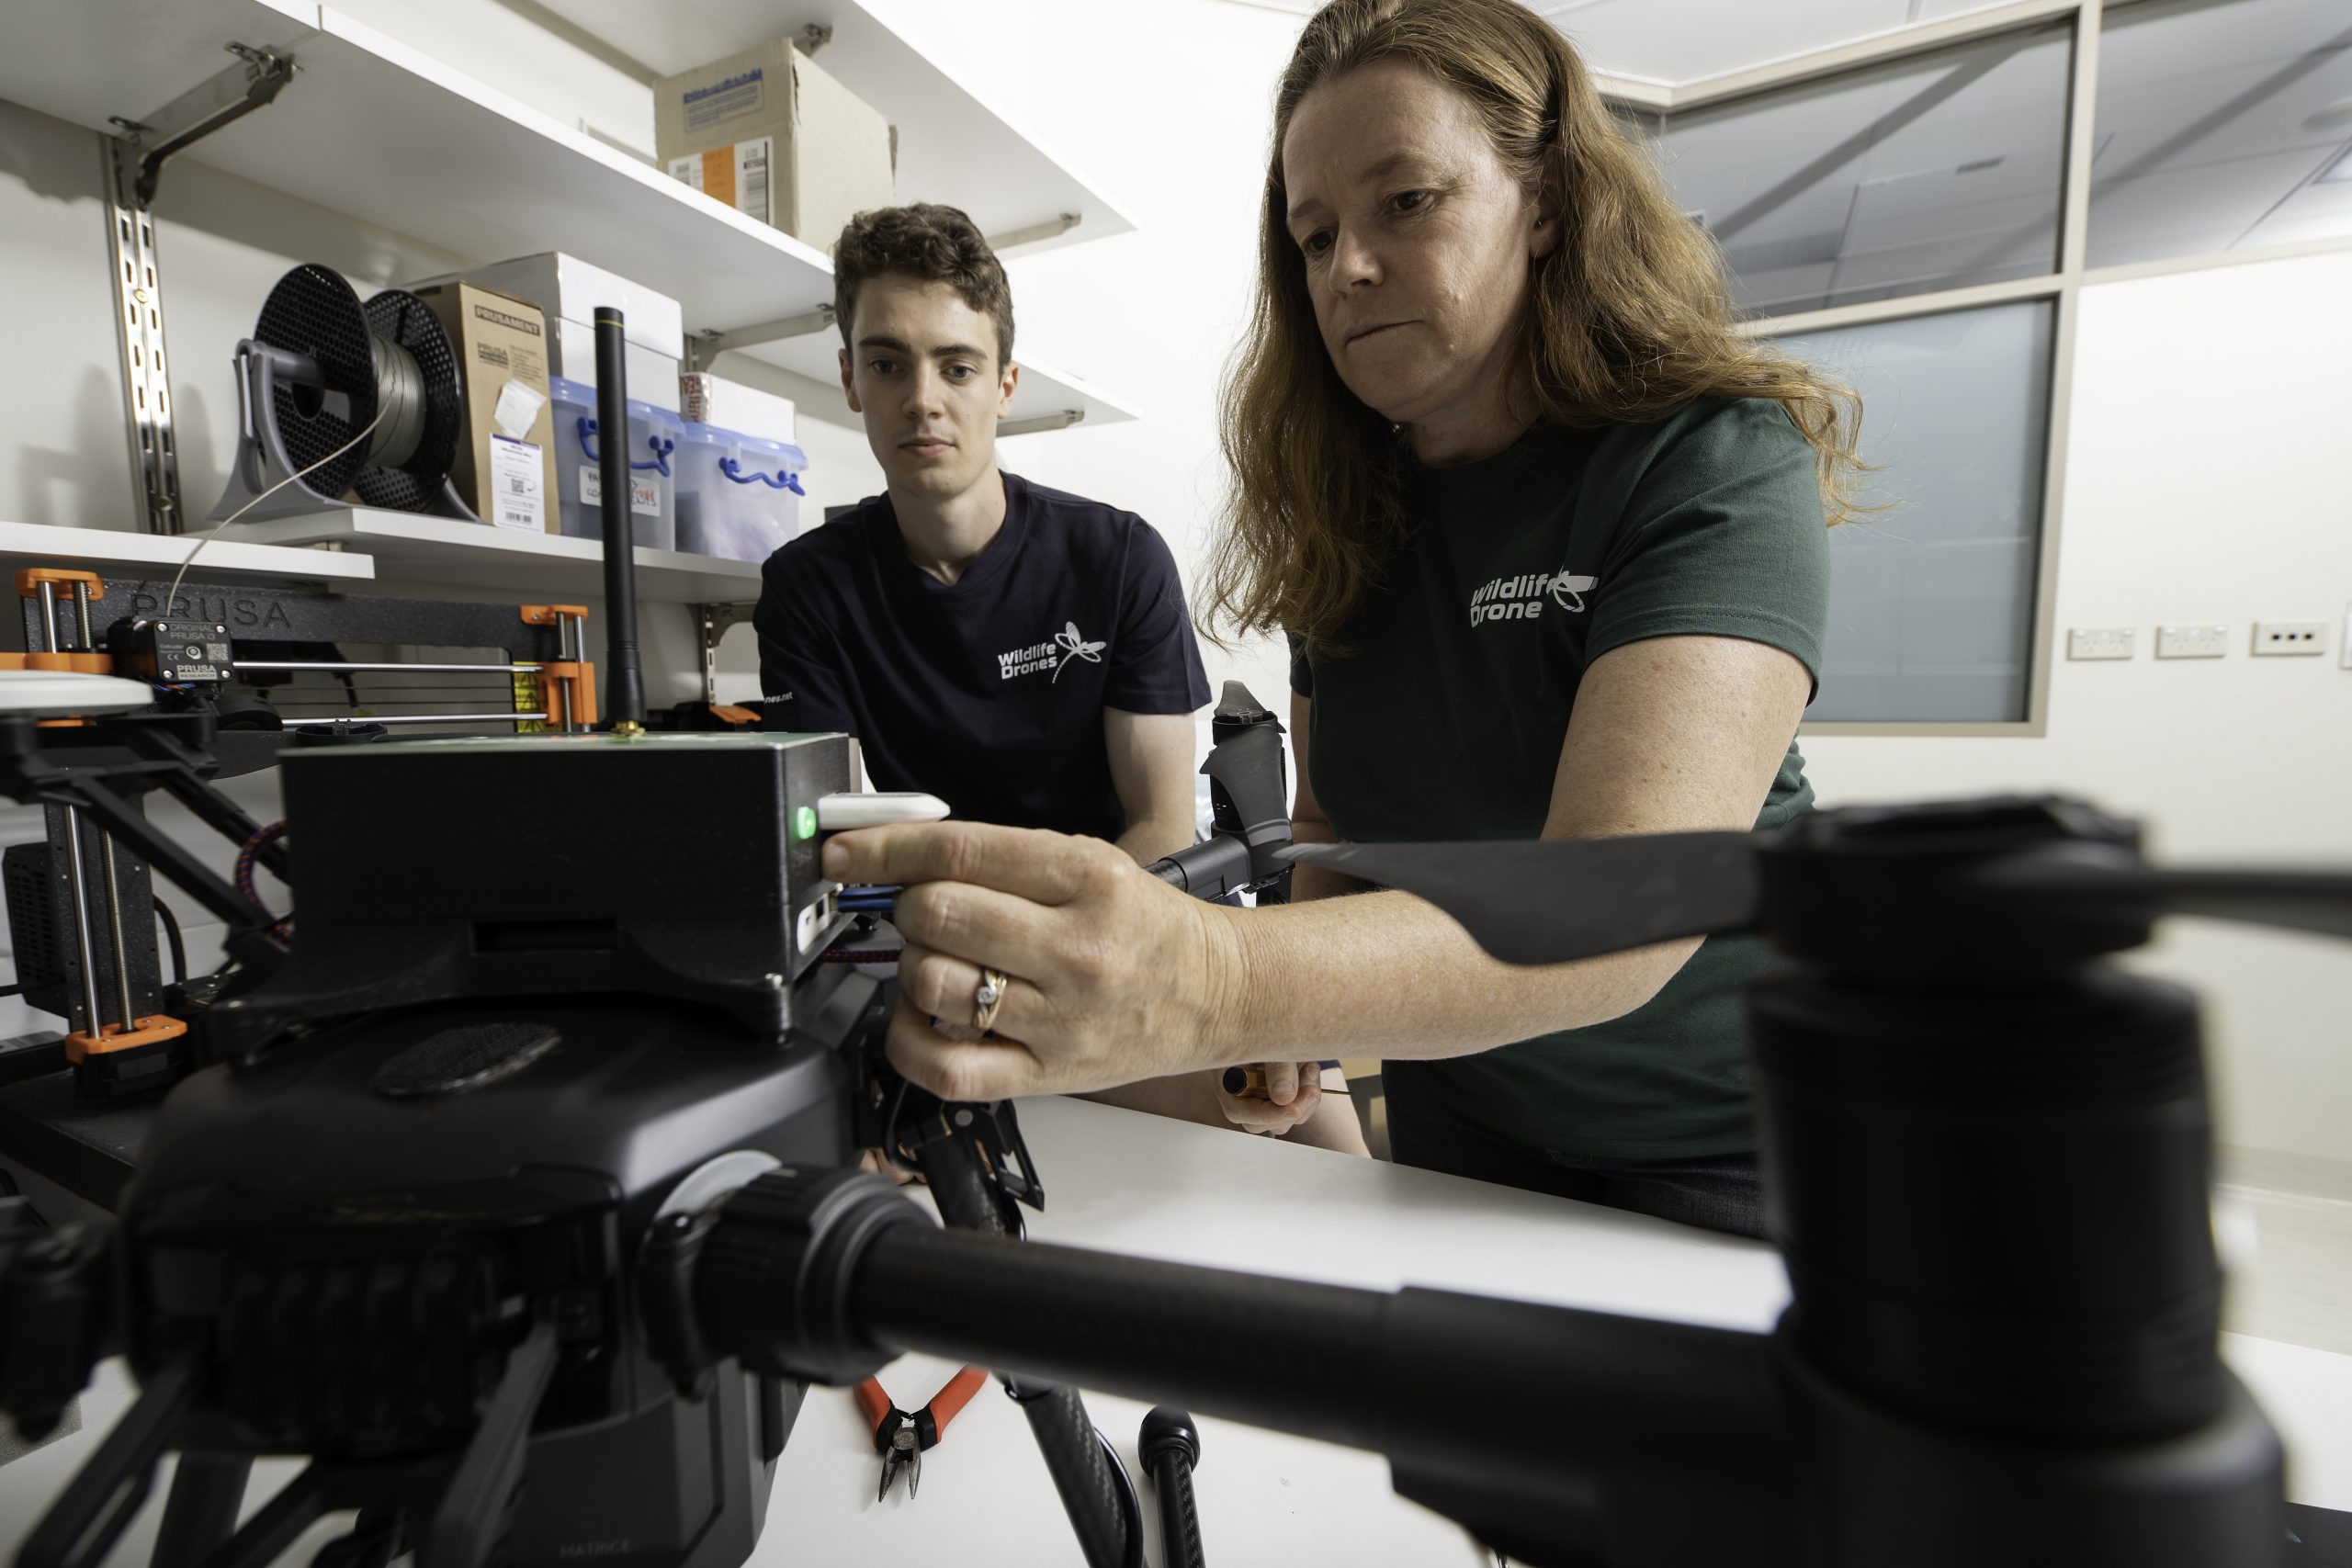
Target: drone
<point x="525" y="1163"/>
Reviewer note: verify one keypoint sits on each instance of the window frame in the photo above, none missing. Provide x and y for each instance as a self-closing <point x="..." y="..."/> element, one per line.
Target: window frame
<point x="2063" y="286"/>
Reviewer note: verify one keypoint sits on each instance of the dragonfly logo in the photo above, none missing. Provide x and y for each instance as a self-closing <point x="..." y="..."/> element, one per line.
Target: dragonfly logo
<point x="1075" y="647"/>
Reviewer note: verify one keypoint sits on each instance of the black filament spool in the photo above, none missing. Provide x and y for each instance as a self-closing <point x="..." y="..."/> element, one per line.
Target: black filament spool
<point x="389" y="356"/>
<point x="314" y="313"/>
<point x="409" y="456"/>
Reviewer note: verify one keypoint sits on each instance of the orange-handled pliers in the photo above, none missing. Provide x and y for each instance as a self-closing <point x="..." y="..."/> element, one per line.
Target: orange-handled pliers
<point x="901" y="1437"/>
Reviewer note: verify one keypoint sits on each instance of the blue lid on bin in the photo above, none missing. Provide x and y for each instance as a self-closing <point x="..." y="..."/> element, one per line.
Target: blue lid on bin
<point x="783" y="454"/>
<point x="776" y="464"/>
<point x="581" y="395"/>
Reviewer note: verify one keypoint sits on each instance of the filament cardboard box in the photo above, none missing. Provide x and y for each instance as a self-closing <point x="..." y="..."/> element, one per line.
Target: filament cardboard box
<point x="567" y="290"/>
<point x="505" y="468"/>
<point x="771" y="134"/>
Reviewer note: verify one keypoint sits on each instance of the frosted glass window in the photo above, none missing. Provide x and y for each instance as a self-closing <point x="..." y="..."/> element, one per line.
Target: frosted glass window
<point x="1931" y="600"/>
<point x="1935" y="171"/>
<point x="2220" y="126"/>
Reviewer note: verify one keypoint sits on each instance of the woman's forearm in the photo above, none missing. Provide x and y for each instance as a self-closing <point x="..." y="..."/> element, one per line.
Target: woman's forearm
<point x="1387" y="974"/>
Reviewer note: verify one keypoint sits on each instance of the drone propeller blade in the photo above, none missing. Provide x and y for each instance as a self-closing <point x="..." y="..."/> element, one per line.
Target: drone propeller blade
<point x="2316" y="901"/>
<point x="1554" y="899"/>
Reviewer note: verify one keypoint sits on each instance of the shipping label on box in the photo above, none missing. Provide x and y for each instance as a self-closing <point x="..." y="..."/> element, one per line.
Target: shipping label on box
<point x="505" y="468"/>
<point x="736" y="176"/>
<point x="517" y="474"/>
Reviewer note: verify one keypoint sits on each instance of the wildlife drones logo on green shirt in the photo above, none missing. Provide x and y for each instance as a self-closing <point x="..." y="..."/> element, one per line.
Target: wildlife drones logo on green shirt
<point x="1521" y="598"/>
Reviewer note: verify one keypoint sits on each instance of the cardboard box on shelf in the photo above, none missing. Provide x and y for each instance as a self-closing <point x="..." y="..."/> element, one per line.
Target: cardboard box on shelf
<point x="568" y="291"/>
<point x="768" y="132"/>
<point x="652" y="377"/>
<point x="705" y="399"/>
<point x="564" y="287"/>
<point x="505" y="468"/>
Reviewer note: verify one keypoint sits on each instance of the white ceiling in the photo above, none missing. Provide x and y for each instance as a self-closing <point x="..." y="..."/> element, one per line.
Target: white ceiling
<point x="1681" y="40"/>
<point x="1939" y="171"/>
<point x="2216" y="123"/>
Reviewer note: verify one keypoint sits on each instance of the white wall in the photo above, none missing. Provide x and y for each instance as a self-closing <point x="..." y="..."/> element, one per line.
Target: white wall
<point x="1164" y="106"/>
<point x="2206" y="481"/>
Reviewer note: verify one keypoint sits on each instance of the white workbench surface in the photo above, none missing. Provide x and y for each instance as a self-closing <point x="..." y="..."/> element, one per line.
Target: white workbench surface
<point x="1139" y="1184"/>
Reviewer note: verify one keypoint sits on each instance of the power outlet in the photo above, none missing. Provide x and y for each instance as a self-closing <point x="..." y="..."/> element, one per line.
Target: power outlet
<point x="2274" y="639"/>
<point x="2101" y="642"/>
<point x="2192" y="642"/>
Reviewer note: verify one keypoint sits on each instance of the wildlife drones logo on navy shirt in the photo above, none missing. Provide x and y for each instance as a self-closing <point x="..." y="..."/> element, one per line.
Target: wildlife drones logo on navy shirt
<point x="1068" y="643"/>
<point x="1521" y="598"/>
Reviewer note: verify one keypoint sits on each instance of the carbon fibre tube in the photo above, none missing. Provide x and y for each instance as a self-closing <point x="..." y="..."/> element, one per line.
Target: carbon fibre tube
<point x="1410" y="1372"/>
<point x="623" y="680"/>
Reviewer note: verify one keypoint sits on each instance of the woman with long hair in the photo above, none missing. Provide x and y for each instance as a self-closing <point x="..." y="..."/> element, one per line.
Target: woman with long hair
<point x="1548" y="537"/>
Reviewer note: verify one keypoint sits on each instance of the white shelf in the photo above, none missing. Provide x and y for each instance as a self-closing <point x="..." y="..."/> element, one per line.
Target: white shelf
<point x="409" y="549"/>
<point x="372" y="128"/>
<point x="24" y="544"/>
<point x="952" y="147"/>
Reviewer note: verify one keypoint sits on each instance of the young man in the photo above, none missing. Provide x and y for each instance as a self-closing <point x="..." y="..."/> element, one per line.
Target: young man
<point x="1022" y="654"/>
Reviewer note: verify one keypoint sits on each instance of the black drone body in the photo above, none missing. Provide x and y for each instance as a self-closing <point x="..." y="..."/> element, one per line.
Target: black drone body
<point x="518" y="1193"/>
<point x="422" y="1187"/>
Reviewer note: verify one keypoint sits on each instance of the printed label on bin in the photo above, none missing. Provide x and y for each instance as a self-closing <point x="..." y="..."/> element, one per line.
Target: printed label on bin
<point x="644" y="495"/>
<point x="517" y="498"/>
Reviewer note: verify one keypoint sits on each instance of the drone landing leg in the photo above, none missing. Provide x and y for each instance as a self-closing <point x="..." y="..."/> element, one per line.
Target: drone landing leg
<point x="1110" y="1533"/>
<point x="373" y="1542"/>
<point x="474" y="1512"/>
<point x="200" y="1511"/>
<point x="86" y="1520"/>
<point x="281" y="1521"/>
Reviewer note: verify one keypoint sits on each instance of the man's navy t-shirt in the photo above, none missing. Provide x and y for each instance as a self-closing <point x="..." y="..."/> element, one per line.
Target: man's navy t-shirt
<point x="988" y="693"/>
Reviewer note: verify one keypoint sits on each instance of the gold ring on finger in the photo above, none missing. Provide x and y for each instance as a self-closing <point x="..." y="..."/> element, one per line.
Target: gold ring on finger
<point x="988" y="997"/>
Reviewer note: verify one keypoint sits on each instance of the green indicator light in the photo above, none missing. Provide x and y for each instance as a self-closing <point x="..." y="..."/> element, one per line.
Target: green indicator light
<point x="804" y="822"/>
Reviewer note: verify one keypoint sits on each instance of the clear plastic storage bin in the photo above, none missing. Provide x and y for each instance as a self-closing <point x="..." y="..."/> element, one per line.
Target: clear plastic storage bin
<point x="738" y="496"/>
<point x="653" y="437"/>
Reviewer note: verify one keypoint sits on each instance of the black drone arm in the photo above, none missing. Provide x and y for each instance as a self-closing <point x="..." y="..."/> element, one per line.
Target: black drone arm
<point x="1558" y="1435"/>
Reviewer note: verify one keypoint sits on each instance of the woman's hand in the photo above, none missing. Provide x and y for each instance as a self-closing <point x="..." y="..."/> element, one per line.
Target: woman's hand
<point x="1290" y="1094"/>
<point x="1115" y="975"/>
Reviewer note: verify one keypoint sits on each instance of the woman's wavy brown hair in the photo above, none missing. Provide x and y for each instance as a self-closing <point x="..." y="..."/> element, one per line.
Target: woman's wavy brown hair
<point x="1631" y="318"/>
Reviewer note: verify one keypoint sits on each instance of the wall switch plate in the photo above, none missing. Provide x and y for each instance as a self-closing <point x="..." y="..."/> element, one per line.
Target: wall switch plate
<point x="2344" y="649"/>
<point x="2275" y="638"/>
<point x="2192" y="642"/>
<point x="2102" y="642"/>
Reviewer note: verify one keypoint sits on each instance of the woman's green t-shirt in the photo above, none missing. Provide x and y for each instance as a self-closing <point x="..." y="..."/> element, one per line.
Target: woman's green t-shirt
<point x="1444" y="717"/>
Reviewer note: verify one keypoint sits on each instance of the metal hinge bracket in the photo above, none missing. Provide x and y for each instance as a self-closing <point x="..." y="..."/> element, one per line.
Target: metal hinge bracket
<point x="135" y="154"/>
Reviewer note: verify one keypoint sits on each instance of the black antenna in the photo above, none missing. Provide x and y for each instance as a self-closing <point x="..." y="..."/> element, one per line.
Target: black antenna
<point x="623" y="681"/>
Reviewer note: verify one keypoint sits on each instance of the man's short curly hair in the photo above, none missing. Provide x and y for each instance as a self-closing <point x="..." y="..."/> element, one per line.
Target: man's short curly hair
<point x="937" y="245"/>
